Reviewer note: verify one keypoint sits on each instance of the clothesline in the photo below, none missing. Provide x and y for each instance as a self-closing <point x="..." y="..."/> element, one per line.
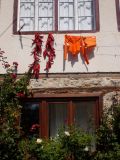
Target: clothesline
<point x="96" y="53"/>
<point x="97" y="47"/>
<point x="57" y="44"/>
<point x="63" y="42"/>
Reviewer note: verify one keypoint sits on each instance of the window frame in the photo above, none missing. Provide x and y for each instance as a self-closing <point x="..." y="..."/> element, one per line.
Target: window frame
<point x="15" y="22"/>
<point x="118" y="13"/>
<point x="44" y="99"/>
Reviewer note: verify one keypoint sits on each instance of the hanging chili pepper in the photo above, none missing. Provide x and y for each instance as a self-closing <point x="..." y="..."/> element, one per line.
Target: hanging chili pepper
<point x="38" y="43"/>
<point x="36" y="70"/>
<point x="35" y="66"/>
<point x="49" y="52"/>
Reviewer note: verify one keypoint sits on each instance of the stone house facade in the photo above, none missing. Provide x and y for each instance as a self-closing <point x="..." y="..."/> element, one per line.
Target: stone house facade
<point x="71" y="85"/>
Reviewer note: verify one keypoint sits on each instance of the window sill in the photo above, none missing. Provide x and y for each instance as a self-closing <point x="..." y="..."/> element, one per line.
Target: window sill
<point x="54" y="32"/>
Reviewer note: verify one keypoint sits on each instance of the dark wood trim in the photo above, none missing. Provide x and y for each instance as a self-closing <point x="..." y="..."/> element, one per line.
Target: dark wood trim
<point x="97" y="18"/>
<point x="56" y="15"/>
<point x="15" y="15"/>
<point x="100" y="109"/>
<point x="118" y="13"/>
<point x="70" y="113"/>
<point x="96" y="113"/>
<point x="80" y="95"/>
<point x="44" y="120"/>
<point x="44" y="100"/>
<point x="40" y="114"/>
<point x="55" y="32"/>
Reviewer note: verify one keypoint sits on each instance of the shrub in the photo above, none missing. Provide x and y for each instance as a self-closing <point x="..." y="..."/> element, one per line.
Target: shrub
<point x="72" y="144"/>
<point x="107" y="141"/>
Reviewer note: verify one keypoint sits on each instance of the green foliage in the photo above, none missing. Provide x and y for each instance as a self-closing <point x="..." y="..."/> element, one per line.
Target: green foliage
<point x="68" y="145"/>
<point x="22" y="83"/>
<point x="116" y="122"/>
<point x="107" y="141"/>
<point x="9" y="115"/>
<point x="24" y="147"/>
<point x="9" y="148"/>
<point x="73" y="144"/>
<point x="105" y="138"/>
<point x="14" y="147"/>
<point x="110" y="155"/>
<point x="46" y="150"/>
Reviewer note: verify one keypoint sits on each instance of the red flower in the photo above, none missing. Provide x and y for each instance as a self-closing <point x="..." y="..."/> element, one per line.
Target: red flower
<point x="15" y="63"/>
<point x="13" y="75"/>
<point x="20" y="94"/>
<point x="34" y="127"/>
<point x="6" y="65"/>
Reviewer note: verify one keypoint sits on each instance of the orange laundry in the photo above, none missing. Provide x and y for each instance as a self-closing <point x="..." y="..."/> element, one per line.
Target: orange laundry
<point x="79" y="44"/>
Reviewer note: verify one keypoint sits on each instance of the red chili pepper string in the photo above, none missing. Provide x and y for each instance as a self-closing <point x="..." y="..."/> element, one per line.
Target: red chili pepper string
<point x="35" y="66"/>
<point x="49" y="52"/>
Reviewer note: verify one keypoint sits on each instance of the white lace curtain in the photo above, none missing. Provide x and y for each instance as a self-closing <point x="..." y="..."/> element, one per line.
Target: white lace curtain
<point x="39" y="15"/>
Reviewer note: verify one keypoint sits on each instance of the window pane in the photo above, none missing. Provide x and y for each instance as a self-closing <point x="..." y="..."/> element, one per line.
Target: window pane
<point x="28" y="24"/>
<point x="66" y="0"/>
<point x="84" y="0"/>
<point x="85" y="15"/>
<point x="85" y="23"/>
<point x="66" y="24"/>
<point x="30" y="119"/>
<point x="45" y="18"/>
<point x="45" y="24"/>
<point x="85" y="9"/>
<point x="76" y="15"/>
<point x="84" y="115"/>
<point x="45" y="0"/>
<point x="57" y="117"/>
<point x="27" y="0"/>
<point x="66" y="15"/>
<point x="36" y="15"/>
<point x="45" y="9"/>
<point x="66" y="9"/>
<point x="27" y="12"/>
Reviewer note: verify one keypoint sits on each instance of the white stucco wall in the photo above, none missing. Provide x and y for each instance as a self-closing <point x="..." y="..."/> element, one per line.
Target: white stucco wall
<point x="106" y="57"/>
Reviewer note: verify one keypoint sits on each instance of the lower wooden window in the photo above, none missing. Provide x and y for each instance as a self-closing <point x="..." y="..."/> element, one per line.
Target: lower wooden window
<point x="43" y="117"/>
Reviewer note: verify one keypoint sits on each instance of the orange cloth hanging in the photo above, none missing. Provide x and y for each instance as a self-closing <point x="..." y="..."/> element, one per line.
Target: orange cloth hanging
<point x="72" y="45"/>
<point x="79" y="44"/>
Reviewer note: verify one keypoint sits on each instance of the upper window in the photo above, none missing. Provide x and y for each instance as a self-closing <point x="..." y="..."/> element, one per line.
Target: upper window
<point x="118" y="13"/>
<point x="57" y="15"/>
